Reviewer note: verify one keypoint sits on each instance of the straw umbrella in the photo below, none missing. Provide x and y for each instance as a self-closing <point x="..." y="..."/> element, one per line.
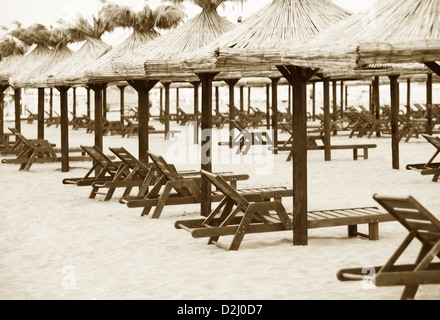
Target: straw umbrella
<point x="57" y="77"/>
<point x="57" y="39"/>
<point x="11" y="53"/>
<point x="145" y="25"/>
<point x="387" y="25"/>
<point x="388" y="32"/>
<point x="280" y="24"/>
<point x="36" y="36"/>
<point x="166" y="50"/>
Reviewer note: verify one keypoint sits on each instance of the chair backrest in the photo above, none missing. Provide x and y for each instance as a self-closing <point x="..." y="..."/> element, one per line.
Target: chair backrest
<point x="131" y="161"/>
<point x="127" y="119"/>
<point x="435" y="141"/>
<point x="413" y="216"/>
<point x="100" y="157"/>
<point x="20" y="137"/>
<point x="225" y="188"/>
<point x="169" y="173"/>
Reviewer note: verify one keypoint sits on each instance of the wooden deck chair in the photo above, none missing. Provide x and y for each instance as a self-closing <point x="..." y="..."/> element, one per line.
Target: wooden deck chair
<point x="31" y="116"/>
<point x="185" y="118"/>
<point x="174" y="188"/>
<point x="31" y="151"/>
<point x="430" y="167"/>
<point x="78" y="122"/>
<point x="248" y="138"/>
<point x="240" y="212"/>
<point x="134" y="174"/>
<point x="423" y="226"/>
<point x="53" y="120"/>
<point x="131" y="128"/>
<point x="103" y="168"/>
<point x="411" y="127"/>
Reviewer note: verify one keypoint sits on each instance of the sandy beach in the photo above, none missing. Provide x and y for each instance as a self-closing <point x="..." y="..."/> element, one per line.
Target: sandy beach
<point x="56" y="243"/>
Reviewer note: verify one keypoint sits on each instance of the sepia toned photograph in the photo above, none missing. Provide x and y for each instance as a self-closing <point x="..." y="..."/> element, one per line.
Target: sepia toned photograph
<point x="220" y="150"/>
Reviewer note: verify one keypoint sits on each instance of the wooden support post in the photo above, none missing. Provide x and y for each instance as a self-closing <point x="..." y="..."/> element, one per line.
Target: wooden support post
<point x="327" y="120"/>
<point x="335" y="103"/>
<point x="394" y="86"/>
<point x="74" y="101"/>
<point x="40" y="114"/>
<point x="17" y="104"/>
<point x="196" y="85"/>
<point x="298" y="78"/>
<point x="275" y="82"/>
<point x="88" y="102"/>
<point x="121" y="101"/>
<point x="143" y="88"/>
<point x="50" y="102"/>
<point x="2" y="108"/>
<point x="166" y="113"/>
<point x="231" y="85"/>
<point x="408" y="99"/>
<point x="342" y="100"/>
<point x="206" y="126"/>
<point x="314" y="102"/>
<point x="268" y="116"/>
<point x="429" y="103"/>
<point x="98" y="90"/>
<point x="104" y="101"/>
<point x="64" y="124"/>
<point x="376" y="100"/>
<point x="241" y="99"/>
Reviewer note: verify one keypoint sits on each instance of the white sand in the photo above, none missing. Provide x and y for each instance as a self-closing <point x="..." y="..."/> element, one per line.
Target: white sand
<point x="56" y="243"/>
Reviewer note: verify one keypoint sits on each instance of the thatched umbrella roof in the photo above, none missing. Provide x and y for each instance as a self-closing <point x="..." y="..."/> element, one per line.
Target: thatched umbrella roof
<point x="8" y="66"/>
<point x="101" y="70"/>
<point x="65" y="73"/>
<point x="37" y="77"/>
<point x="36" y="38"/>
<point x="277" y="25"/>
<point x="166" y="50"/>
<point x="144" y="25"/>
<point x="58" y="39"/>
<point x="67" y="69"/>
<point x="390" y="31"/>
<point x="39" y="53"/>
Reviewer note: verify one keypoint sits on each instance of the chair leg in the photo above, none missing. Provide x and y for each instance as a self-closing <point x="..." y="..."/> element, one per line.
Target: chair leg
<point x="409" y="292"/>
<point x="109" y="194"/>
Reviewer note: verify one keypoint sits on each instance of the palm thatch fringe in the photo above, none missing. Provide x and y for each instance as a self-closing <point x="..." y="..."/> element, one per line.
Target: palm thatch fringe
<point x="164" y="52"/>
<point x="37" y="78"/>
<point x="33" y="58"/>
<point x="8" y="65"/>
<point x="388" y="32"/>
<point x="280" y="24"/>
<point x="65" y="72"/>
<point x="101" y="70"/>
<point x="401" y="52"/>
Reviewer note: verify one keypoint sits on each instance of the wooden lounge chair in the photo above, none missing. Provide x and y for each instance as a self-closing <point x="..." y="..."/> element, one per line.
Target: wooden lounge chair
<point x="103" y="168"/>
<point x="239" y="213"/>
<point x="174" y="188"/>
<point x="33" y="150"/>
<point x="30" y="151"/>
<point x="251" y="211"/>
<point x="248" y="138"/>
<point x="31" y="116"/>
<point x="430" y="167"/>
<point x="53" y="120"/>
<point x="185" y="118"/>
<point x="423" y="226"/>
<point x="131" y="128"/>
<point x="132" y="173"/>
